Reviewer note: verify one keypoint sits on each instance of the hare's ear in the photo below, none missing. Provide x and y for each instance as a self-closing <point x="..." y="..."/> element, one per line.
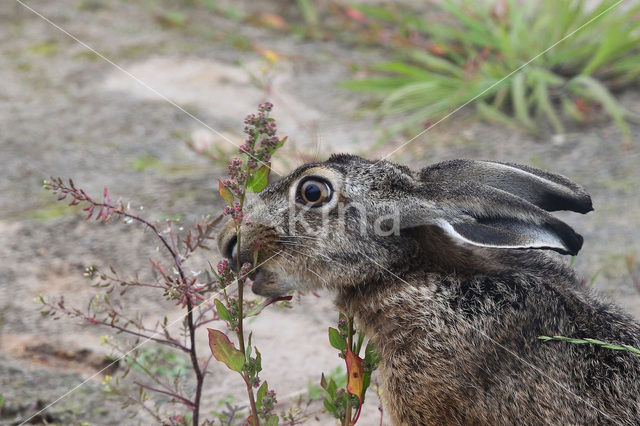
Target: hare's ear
<point x="484" y="216"/>
<point x="548" y="191"/>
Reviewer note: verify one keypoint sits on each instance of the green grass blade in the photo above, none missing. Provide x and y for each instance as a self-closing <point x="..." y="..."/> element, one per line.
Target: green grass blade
<point x="376" y="12"/>
<point x="376" y="85"/>
<point x="493" y="114"/>
<point x="519" y="100"/>
<point x="596" y="342"/>
<point x="410" y="96"/>
<point x="475" y="20"/>
<point x="480" y="44"/>
<point x="437" y="64"/>
<point x="591" y="88"/>
<point x="541" y="94"/>
<point x="309" y="12"/>
<point x="604" y="52"/>
<point x="404" y="69"/>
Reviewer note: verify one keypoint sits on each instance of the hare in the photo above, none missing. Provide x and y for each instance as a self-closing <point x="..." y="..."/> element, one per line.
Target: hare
<point x="451" y="272"/>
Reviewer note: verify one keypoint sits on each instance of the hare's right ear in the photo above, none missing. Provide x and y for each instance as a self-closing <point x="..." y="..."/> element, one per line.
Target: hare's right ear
<point x="549" y="191"/>
<point x="495" y="205"/>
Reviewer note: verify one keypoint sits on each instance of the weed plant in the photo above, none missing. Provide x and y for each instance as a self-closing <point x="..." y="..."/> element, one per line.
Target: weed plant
<point x="465" y="48"/>
<point x="174" y="370"/>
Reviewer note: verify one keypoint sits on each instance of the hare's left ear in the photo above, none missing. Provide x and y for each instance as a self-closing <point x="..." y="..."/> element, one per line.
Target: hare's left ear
<point x="496" y="205"/>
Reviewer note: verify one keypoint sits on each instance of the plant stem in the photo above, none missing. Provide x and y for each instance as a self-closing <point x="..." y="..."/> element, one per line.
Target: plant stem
<point x="192" y="329"/>
<point x="169" y="393"/>
<point x="252" y="401"/>
<point x="347" y="417"/>
<point x="79" y="195"/>
<point x="190" y="323"/>
<point x="240" y="332"/>
<point x="194" y="362"/>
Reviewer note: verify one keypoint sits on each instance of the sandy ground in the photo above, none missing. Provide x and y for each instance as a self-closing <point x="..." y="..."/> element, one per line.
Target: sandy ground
<point x="65" y="111"/>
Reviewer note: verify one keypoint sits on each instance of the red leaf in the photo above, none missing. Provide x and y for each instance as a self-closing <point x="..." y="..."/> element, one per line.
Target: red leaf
<point x="354" y="14"/>
<point x="90" y="210"/>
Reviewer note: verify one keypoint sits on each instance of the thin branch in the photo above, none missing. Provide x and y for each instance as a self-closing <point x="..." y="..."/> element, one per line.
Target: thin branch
<point x="107" y="210"/>
<point x="184" y="400"/>
<point x="94" y="321"/>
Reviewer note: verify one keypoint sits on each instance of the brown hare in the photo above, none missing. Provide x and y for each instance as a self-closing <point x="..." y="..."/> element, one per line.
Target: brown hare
<point x="449" y="271"/>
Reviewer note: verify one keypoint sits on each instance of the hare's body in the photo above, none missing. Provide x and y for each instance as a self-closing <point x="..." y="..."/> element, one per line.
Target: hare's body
<point x="465" y="350"/>
<point x="438" y="267"/>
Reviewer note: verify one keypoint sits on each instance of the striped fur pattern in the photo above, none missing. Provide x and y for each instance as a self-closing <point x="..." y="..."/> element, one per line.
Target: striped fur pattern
<point x="455" y="297"/>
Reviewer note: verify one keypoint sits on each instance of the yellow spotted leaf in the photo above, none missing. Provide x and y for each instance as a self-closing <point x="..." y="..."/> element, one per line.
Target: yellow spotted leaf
<point x="225" y="193"/>
<point x="355" y="372"/>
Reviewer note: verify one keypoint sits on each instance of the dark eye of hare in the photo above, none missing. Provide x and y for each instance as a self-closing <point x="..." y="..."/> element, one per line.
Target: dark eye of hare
<point x="314" y="192"/>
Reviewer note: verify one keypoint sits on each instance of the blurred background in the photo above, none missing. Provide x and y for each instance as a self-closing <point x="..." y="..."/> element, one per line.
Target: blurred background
<point x="148" y="98"/>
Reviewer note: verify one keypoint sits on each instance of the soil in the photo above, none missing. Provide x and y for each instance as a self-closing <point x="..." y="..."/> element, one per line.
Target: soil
<point x="66" y="111"/>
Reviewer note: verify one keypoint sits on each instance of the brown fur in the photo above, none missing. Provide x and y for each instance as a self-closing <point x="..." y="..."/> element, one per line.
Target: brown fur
<point x="455" y="302"/>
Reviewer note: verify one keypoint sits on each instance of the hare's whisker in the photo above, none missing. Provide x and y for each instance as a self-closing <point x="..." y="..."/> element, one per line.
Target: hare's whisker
<point x="324" y="280"/>
<point x="305" y="267"/>
<point x="317" y="254"/>
<point x="289" y="243"/>
<point x="301" y="236"/>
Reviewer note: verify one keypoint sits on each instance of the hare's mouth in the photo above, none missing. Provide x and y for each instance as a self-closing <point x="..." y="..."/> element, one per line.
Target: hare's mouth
<point x="265" y="284"/>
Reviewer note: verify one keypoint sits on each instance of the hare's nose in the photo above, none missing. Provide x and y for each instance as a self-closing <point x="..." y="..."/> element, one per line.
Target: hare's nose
<point x="231" y="252"/>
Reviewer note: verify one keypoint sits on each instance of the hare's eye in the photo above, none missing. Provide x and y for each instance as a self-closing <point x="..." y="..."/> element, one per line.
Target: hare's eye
<point x="314" y="192"/>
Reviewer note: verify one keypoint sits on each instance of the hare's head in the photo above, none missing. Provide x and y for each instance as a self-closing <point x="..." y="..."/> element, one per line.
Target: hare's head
<point x="348" y="220"/>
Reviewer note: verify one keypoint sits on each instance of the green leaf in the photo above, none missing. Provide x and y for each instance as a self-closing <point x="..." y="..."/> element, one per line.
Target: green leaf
<point x="366" y="381"/>
<point x="223" y="312"/>
<point x="332" y="388"/>
<point x="262" y="390"/>
<point x="258" y="360"/>
<point x="282" y="141"/>
<point x="330" y="395"/>
<point x="225" y="193"/>
<point x="371" y="359"/>
<point x="371" y="355"/>
<point x="336" y="340"/>
<point x="224" y="351"/>
<point x="248" y="350"/>
<point x="323" y="382"/>
<point x="330" y="406"/>
<point x="259" y="179"/>
<point x="606" y="345"/>
<point x="272" y="420"/>
<point x="358" y="343"/>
